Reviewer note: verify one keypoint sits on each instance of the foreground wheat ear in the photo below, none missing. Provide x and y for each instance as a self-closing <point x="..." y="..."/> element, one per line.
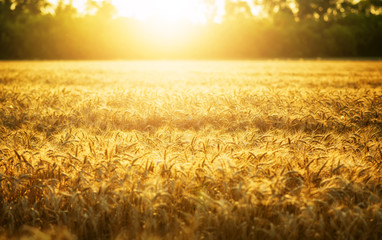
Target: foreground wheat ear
<point x="202" y="150"/>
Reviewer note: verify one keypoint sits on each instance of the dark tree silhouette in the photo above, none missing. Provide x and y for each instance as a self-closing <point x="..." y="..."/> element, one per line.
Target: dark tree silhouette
<point x="315" y="28"/>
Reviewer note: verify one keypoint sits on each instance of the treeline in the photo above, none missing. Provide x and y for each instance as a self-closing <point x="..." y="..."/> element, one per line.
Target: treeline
<point x="302" y="28"/>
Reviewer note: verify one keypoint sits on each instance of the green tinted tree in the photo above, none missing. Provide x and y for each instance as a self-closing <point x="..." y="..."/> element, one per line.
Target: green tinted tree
<point x="236" y="10"/>
<point x="33" y="7"/>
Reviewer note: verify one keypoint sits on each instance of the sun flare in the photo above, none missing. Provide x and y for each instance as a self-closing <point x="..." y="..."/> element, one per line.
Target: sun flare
<point x="164" y="10"/>
<point x="195" y="11"/>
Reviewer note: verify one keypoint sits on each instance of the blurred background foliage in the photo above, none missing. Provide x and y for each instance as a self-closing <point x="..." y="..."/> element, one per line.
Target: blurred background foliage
<point x="285" y="29"/>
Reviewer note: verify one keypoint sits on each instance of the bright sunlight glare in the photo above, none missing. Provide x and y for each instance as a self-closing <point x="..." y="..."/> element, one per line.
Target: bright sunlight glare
<point x="165" y="27"/>
<point x="170" y="10"/>
<point x="195" y="11"/>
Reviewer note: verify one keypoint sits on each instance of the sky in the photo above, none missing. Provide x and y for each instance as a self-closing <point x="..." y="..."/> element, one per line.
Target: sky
<point x="195" y="11"/>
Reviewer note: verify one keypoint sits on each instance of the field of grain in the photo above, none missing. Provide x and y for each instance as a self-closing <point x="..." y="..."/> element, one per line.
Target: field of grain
<point x="191" y="150"/>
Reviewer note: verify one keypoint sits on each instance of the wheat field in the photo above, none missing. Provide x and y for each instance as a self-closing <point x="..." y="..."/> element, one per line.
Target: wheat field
<point x="191" y="150"/>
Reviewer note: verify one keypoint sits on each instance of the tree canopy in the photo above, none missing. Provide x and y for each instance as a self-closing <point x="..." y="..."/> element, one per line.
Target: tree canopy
<point x="36" y="29"/>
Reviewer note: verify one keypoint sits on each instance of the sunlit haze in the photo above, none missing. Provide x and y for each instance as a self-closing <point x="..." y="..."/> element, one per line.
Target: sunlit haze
<point x="195" y="11"/>
<point x="189" y="29"/>
<point x="172" y="10"/>
<point x="167" y="10"/>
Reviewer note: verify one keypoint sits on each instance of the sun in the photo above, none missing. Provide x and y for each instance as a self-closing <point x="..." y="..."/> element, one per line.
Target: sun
<point x="164" y="25"/>
<point x="163" y="10"/>
<point x="195" y="11"/>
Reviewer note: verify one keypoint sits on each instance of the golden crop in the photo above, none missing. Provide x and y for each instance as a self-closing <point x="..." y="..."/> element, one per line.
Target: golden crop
<point x="191" y="150"/>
